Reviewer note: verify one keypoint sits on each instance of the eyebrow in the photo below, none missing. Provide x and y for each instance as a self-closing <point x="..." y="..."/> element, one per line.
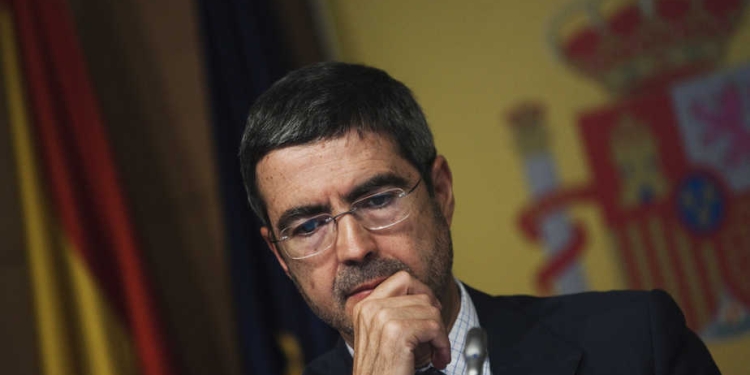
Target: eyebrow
<point x="295" y="213"/>
<point x="372" y="184"/>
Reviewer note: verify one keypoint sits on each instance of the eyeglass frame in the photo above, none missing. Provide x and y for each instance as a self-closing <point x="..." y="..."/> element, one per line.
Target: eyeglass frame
<point x="352" y="210"/>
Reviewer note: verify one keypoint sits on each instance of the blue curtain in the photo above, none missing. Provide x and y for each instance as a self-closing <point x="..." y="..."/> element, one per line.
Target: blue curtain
<point x="244" y="55"/>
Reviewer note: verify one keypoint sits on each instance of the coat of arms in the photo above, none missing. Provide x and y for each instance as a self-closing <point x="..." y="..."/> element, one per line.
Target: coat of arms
<point x="669" y="156"/>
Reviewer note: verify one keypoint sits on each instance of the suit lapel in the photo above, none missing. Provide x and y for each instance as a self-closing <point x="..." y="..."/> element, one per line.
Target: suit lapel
<point x="347" y="363"/>
<point x="336" y="361"/>
<point x="518" y="343"/>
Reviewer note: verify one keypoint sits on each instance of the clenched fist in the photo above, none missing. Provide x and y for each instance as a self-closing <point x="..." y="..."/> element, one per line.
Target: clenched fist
<point x="399" y="327"/>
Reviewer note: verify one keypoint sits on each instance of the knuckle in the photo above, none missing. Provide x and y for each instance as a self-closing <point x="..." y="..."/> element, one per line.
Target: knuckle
<point x="424" y="298"/>
<point x="392" y="329"/>
<point x="382" y="316"/>
<point x="432" y="325"/>
<point x="402" y="275"/>
<point x="433" y="311"/>
<point x="357" y="310"/>
<point x="364" y="308"/>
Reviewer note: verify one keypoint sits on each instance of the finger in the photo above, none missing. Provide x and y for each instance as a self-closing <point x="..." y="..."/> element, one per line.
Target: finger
<point x="441" y="355"/>
<point x="423" y="340"/>
<point x="371" y="315"/>
<point x="426" y="332"/>
<point x="418" y="327"/>
<point x="402" y="283"/>
<point x="372" y="306"/>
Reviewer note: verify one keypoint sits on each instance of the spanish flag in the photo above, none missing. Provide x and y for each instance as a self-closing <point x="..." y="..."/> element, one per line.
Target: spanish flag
<point x="94" y="309"/>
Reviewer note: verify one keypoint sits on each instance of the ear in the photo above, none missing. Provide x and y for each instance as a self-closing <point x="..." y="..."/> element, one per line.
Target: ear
<point x="266" y="234"/>
<point x="442" y="182"/>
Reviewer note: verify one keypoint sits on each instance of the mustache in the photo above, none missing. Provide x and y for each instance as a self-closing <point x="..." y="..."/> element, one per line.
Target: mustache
<point x="354" y="275"/>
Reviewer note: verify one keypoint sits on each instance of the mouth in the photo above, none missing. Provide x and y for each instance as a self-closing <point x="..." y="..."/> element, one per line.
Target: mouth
<point x="363" y="290"/>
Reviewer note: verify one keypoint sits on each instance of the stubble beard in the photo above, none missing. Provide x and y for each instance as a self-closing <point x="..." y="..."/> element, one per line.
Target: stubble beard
<point x="438" y="271"/>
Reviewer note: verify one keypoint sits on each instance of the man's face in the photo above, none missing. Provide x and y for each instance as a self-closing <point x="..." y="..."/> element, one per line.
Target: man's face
<point x="326" y="177"/>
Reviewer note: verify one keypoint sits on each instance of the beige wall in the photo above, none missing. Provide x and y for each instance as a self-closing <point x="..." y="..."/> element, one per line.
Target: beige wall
<point x="469" y="63"/>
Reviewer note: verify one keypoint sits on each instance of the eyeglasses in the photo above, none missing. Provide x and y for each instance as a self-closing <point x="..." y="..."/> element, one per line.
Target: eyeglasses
<point x="308" y="237"/>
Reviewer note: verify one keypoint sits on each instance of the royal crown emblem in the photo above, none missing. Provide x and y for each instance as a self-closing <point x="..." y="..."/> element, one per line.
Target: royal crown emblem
<point x="631" y="47"/>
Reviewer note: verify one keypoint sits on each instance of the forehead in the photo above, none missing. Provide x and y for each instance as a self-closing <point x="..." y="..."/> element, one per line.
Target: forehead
<point x="319" y="172"/>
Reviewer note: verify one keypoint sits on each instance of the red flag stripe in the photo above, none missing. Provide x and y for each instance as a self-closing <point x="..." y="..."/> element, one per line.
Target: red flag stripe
<point x="95" y="157"/>
<point x="683" y="288"/>
<point x="652" y="259"/>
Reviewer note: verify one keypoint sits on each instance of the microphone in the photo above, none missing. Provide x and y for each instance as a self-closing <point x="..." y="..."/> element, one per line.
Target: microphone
<point x="475" y="351"/>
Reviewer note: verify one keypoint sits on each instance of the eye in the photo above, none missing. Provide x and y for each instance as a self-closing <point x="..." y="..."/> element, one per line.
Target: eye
<point x="308" y="227"/>
<point x="379" y="200"/>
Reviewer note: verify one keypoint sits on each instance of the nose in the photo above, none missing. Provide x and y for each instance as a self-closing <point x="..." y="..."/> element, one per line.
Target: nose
<point x="353" y="242"/>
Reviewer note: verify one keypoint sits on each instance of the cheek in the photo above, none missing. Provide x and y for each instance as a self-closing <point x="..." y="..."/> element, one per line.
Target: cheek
<point x="422" y="233"/>
<point x="410" y="245"/>
<point x="314" y="280"/>
<point x="310" y="284"/>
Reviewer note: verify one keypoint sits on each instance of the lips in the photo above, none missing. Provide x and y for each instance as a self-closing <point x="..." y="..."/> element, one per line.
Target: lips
<point x="365" y="289"/>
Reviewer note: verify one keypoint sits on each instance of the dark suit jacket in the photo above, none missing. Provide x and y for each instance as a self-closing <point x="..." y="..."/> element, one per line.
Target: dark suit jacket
<point x="610" y="333"/>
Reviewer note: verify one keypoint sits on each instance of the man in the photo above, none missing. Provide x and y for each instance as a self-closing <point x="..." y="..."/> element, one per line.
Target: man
<point x="340" y="165"/>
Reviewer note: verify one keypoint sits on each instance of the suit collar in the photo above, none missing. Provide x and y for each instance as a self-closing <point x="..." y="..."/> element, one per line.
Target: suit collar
<point x="519" y="343"/>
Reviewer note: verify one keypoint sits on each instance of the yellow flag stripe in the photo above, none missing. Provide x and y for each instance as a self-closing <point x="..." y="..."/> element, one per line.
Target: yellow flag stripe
<point x="55" y="356"/>
<point x="106" y="343"/>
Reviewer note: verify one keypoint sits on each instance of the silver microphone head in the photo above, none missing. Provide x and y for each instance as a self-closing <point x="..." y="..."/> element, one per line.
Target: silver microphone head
<point x="475" y="351"/>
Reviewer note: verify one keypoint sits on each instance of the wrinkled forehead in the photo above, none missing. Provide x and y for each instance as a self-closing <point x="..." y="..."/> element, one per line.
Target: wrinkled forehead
<point x="352" y="148"/>
<point x="319" y="172"/>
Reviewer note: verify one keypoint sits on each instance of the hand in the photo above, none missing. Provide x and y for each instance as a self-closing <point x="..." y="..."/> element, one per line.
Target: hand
<point x="398" y="327"/>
